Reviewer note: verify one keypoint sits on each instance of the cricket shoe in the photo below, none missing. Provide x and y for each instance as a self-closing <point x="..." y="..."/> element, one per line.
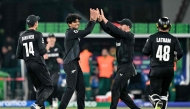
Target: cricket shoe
<point x="158" y="105"/>
<point x="35" y="106"/>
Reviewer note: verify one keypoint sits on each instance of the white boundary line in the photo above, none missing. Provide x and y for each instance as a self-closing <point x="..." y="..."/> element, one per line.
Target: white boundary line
<point x="104" y="35"/>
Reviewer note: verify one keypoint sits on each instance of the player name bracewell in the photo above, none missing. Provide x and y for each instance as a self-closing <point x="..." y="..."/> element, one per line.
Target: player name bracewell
<point x="27" y="37"/>
<point x="165" y="40"/>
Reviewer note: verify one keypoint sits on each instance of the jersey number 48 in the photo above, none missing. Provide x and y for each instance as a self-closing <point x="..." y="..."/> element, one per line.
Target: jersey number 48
<point x="29" y="50"/>
<point x="163" y="53"/>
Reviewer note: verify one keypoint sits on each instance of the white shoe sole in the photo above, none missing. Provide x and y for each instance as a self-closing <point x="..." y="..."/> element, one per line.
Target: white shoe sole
<point x="159" y="105"/>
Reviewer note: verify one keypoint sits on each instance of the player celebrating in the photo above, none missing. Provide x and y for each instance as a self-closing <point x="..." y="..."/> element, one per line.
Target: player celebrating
<point x="74" y="78"/>
<point x="125" y="48"/>
<point x="31" y="48"/>
<point x="163" y="49"/>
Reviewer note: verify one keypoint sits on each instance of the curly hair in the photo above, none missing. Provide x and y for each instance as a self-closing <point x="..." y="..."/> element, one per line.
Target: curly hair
<point x="72" y="17"/>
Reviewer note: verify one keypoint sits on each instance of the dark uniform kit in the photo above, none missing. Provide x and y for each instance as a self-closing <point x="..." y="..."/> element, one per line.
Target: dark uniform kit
<point x="31" y="48"/>
<point x="163" y="49"/>
<point x="124" y="52"/>
<point x="54" y="68"/>
<point x="74" y="78"/>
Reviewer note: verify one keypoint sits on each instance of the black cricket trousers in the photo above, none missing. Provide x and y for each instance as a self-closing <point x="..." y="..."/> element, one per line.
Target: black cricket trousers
<point x="119" y="88"/>
<point x="41" y="80"/>
<point x="75" y="81"/>
<point x="54" y="77"/>
<point x="160" y="79"/>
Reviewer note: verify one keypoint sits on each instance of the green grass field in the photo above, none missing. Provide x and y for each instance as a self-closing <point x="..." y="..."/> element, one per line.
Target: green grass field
<point x="99" y="108"/>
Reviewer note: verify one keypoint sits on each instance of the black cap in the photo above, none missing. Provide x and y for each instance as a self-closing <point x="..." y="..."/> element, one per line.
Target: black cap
<point x="32" y="19"/>
<point x="126" y="22"/>
<point x="51" y="35"/>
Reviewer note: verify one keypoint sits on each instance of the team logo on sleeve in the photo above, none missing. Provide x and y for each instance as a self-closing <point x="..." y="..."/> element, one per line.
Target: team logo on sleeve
<point x="75" y="31"/>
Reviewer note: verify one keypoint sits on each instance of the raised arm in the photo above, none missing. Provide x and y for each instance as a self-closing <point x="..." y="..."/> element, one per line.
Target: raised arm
<point x="82" y="33"/>
<point x="118" y="33"/>
<point x="111" y="29"/>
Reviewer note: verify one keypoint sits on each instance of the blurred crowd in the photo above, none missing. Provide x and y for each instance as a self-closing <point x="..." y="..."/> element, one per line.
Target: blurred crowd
<point x="9" y="64"/>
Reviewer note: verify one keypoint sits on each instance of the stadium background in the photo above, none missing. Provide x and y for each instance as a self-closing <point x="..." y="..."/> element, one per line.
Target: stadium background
<point x="14" y="84"/>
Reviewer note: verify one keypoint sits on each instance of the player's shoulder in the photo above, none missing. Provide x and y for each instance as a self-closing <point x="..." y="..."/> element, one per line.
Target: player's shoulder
<point x="151" y="36"/>
<point x="174" y="38"/>
<point x="22" y="33"/>
<point x="154" y="35"/>
<point x="37" y="33"/>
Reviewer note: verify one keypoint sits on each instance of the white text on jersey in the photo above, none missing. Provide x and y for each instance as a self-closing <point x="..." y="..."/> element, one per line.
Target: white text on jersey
<point x="165" y="40"/>
<point x="53" y="55"/>
<point x="27" y="37"/>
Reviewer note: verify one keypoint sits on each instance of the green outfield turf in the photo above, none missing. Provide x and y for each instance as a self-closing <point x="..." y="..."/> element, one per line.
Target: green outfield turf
<point x="99" y="108"/>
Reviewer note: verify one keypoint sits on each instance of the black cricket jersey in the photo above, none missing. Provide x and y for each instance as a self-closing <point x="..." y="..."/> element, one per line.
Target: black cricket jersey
<point x="162" y="47"/>
<point x="72" y="39"/>
<point x="124" y="42"/>
<point x="54" y="53"/>
<point x="31" y="46"/>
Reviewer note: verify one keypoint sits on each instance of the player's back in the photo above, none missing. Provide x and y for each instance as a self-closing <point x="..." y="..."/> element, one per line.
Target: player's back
<point x="32" y="44"/>
<point x="162" y="49"/>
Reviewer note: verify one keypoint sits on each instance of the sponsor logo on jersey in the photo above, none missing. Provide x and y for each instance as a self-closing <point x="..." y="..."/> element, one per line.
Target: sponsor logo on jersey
<point x="53" y="55"/>
<point x="73" y="71"/>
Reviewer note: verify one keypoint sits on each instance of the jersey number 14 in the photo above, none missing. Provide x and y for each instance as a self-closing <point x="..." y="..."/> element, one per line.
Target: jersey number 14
<point x="163" y="53"/>
<point x="29" y="49"/>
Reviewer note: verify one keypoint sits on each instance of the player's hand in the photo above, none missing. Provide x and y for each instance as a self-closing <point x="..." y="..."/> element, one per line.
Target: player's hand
<point x="93" y="15"/>
<point x="48" y="47"/>
<point x="175" y="59"/>
<point x="103" y="17"/>
<point x="99" y="16"/>
<point x="59" y="60"/>
<point x="45" y="56"/>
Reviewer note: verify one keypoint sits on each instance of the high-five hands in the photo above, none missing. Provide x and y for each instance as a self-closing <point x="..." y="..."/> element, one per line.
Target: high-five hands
<point x="101" y="16"/>
<point x="93" y="14"/>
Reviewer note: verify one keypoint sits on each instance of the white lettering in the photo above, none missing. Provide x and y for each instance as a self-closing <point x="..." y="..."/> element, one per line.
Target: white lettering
<point x="53" y="55"/>
<point x="165" y="40"/>
<point x="27" y="37"/>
